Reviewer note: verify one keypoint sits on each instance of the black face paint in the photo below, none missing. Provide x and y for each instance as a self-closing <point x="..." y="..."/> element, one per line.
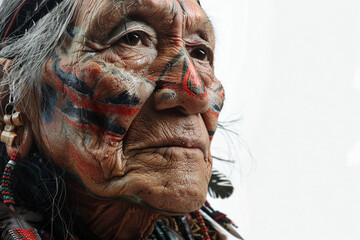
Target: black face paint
<point x="124" y="99"/>
<point x="211" y="133"/>
<point x="170" y="64"/>
<point x="85" y="117"/>
<point x="192" y="82"/>
<point x="70" y="80"/>
<point x="70" y="32"/>
<point x="217" y="108"/>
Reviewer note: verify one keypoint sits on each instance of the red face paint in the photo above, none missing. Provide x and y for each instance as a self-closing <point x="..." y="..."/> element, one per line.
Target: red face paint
<point x="192" y="82"/>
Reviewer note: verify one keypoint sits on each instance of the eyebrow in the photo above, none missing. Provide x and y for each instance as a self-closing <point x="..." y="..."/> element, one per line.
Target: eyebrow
<point x="122" y="7"/>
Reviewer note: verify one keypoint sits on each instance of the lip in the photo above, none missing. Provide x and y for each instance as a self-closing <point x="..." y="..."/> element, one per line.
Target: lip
<point x="178" y="143"/>
<point x="183" y="144"/>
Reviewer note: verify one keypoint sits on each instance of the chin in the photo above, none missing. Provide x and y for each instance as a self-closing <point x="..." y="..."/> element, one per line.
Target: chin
<point x="172" y="180"/>
<point x="177" y="186"/>
<point x="175" y="201"/>
<point x="166" y="193"/>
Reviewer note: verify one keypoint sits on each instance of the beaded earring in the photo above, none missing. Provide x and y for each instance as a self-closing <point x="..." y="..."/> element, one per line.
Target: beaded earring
<point x="7" y="181"/>
<point x="13" y="120"/>
<point x="8" y="136"/>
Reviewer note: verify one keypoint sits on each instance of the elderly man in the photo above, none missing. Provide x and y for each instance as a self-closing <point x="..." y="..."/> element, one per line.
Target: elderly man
<point x="109" y="108"/>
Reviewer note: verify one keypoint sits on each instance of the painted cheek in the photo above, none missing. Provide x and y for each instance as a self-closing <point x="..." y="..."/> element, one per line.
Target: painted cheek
<point x="84" y="95"/>
<point x="47" y="103"/>
<point x="90" y="72"/>
<point x="215" y="107"/>
<point x="216" y="104"/>
<point x="87" y="108"/>
<point x="113" y="90"/>
<point x="210" y="118"/>
<point x="217" y="98"/>
<point x="211" y="135"/>
<point x="80" y="111"/>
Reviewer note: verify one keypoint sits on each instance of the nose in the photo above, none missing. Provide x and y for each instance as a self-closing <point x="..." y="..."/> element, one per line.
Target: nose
<point x="181" y="87"/>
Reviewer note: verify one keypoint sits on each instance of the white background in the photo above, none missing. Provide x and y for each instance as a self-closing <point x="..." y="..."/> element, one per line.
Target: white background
<point x="292" y="71"/>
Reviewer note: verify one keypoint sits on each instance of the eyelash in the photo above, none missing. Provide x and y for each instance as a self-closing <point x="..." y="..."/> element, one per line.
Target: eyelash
<point x="208" y="57"/>
<point x="133" y="38"/>
<point x="201" y="52"/>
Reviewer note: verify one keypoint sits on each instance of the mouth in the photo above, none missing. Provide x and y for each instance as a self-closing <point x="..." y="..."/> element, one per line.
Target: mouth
<point x="178" y="144"/>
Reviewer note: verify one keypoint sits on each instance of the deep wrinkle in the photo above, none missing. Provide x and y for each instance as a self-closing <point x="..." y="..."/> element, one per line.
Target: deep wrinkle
<point x="128" y="118"/>
<point x="155" y="12"/>
<point x="140" y="105"/>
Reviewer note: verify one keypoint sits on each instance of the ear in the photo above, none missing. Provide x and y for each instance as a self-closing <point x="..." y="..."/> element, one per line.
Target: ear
<point x="5" y="65"/>
<point x="24" y="139"/>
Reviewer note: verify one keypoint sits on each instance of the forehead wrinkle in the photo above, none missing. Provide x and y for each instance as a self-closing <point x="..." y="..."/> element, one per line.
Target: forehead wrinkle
<point x="197" y="21"/>
<point x="192" y="20"/>
<point x="87" y="12"/>
<point x="102" y="11"/>
<point x="95" y="14"/>
<point x="160" y="8"/>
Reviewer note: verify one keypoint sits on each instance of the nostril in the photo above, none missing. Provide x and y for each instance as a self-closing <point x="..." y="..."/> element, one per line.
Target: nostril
<point x="167" y="94"/>
<point x="165" y="98"/>
<point x="181" y="109"/>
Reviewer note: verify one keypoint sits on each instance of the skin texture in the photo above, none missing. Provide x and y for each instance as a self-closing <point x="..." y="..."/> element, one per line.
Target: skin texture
<point x="129" y="105"/>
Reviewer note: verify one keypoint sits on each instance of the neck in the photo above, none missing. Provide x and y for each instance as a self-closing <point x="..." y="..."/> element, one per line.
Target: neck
<point x="112" y="219"/>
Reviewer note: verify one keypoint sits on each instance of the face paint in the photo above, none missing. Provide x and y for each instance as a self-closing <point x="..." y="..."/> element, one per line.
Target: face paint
<point x="169" y="65"/>
<point x="192" y="82"/>
<point x="71" y="81"/>
<point x="86" y="105"/>
<point x="134" y="118"/>
<point x="47" y="102"/>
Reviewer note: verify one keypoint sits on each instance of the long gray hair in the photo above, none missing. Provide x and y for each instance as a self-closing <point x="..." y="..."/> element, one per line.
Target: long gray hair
<point x="30" y="51"/>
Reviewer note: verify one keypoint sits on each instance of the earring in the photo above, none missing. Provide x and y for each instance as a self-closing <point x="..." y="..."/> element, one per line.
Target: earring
<point x="8" y="199"/>
<point x="12" y="120"/>
<point x="8" y="135"/>
<point x="7" y="180"/>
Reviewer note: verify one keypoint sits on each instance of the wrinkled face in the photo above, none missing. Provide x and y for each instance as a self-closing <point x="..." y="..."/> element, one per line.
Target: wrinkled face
<point x="130" y="101"/>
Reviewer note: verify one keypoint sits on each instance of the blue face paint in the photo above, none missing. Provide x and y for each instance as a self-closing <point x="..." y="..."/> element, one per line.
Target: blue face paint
<point x="47" y="102"/>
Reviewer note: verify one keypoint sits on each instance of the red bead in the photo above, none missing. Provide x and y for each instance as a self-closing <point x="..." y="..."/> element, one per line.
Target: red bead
<point x="26" y="234"/>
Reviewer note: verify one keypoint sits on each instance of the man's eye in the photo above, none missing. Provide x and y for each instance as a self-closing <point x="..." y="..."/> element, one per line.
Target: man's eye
<point x="131" y="39"/>
<point x="200" y="54"/>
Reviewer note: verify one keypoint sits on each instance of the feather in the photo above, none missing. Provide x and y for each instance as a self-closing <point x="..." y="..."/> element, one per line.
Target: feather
<point x="219" y="185"/>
